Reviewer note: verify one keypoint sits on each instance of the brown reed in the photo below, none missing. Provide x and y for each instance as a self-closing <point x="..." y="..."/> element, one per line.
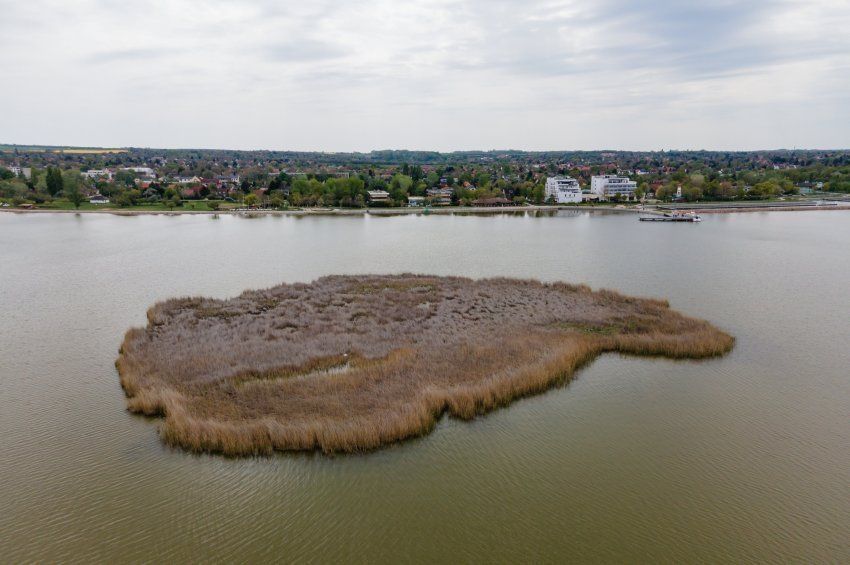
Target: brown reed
<point x="352" y="363"/>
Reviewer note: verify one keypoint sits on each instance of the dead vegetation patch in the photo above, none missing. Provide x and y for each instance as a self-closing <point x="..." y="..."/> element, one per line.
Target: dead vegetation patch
<point x="352" y="363"/>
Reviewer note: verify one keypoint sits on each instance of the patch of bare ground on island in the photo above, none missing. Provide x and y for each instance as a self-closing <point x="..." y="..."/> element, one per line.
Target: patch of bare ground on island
<point x="353" y="363"/>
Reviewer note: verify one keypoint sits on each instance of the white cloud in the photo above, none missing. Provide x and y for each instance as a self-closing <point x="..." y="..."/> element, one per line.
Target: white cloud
<point x="445" y="74"/>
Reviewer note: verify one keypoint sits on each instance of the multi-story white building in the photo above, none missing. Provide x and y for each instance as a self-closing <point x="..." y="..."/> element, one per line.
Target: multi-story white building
<point x="26" y="172"/>
<point x="606" y="186"/>
<point x="144" y="171"/>
<point x="564" y="190"/>
<point x="97" y="173"/>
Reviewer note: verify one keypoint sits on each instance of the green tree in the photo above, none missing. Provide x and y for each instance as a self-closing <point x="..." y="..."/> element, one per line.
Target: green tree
<point x="54" y="181"/>
<point x="74" y="194"/>
<point x="725" y="190"/>
<point x="126" y="178"/>
<point x="665" y="192"/>
<point x="766" y="189"/>
<point x="127" y="197"/>
<point x="277" y="201"/>
<point x="14" y="189"/>
<point x="538" y="193"/>
<point x="692" y="193"/>
<point x="72" y="180"/>
<point x="399" y="186"/>
<point x="251" y="200"/>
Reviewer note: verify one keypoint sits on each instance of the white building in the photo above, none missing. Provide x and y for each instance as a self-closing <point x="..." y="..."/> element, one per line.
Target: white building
<point x="144" y="171"/>
<point x="564" y="190"/>
<point x="97" y="173"/>
<point x="26" y="172"/>
<point x="606" y="186"/>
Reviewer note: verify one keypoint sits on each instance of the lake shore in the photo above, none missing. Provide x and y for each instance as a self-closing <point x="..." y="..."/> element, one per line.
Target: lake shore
<point x="327" y="211"/>
<point x="700" y="208"/>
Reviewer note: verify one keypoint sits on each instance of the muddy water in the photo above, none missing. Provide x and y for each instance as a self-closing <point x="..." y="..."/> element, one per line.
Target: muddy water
<point x="745" y="458"/>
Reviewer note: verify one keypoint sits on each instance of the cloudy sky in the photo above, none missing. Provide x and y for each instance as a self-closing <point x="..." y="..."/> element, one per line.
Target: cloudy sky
<point x="442" y="74"/>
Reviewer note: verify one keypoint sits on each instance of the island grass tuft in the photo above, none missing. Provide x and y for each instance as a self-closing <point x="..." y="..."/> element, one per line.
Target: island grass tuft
<point x="353" y="363"/>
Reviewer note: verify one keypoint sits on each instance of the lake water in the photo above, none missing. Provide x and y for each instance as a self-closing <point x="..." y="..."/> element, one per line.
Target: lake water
<point x="744" y="458"/>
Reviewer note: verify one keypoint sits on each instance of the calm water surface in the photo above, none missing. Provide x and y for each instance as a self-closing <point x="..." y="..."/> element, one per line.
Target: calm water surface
<point x="745" y="458"/>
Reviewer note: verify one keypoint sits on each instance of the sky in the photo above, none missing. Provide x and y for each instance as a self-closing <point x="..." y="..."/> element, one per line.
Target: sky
<point x="442" y="75"/>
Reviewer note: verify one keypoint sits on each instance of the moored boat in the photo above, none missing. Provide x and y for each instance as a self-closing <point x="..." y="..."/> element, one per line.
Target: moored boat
<point x="675" y="216"/>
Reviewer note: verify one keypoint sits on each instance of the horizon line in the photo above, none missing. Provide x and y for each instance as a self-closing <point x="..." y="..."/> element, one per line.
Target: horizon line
<point x="24" y="146"/>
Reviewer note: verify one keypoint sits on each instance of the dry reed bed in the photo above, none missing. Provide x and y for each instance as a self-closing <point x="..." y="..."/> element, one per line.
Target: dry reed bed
<point x="351" y="363"/>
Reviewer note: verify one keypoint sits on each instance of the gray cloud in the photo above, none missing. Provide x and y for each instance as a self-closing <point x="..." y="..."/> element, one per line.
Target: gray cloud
<point x="129" y="55"/>
<point x="442" y="74"/>
<point x="303" y="50"/>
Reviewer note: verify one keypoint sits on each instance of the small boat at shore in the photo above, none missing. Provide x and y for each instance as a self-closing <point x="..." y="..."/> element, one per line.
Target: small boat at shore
<point x="673" y="217"/>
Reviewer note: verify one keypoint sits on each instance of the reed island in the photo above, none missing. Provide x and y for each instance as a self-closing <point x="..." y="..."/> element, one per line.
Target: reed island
<point x="353" y="363"/>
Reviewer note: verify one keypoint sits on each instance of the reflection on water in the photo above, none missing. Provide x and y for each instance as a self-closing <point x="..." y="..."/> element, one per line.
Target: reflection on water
<point x="736" y="459"/>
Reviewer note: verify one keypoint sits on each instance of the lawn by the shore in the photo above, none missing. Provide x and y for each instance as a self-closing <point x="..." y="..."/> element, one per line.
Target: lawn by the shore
<point x="187" y="206"/>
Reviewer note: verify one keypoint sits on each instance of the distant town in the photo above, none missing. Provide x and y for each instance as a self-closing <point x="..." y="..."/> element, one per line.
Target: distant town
<point x="208" y="180"/>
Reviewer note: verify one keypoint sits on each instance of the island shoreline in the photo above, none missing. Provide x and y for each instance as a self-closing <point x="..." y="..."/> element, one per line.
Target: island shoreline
<point x="354" y="363"/>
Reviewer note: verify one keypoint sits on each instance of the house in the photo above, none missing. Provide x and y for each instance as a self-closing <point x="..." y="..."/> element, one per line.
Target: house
<point x="97" y="173"/>
<point x="144" y="171"/>
<point x="227" y="179"/>
<point x="607" y="186"/>
<point x="191" y="191"/>
<point x="99" y="199"/>
<point x="188" y="180"/>
<point x="378" y="196"/>
<point x="563" y="190"/>
<point x="809" y="187"/>
<point x="415" y="200"/>
<point x="25" y="172"/>
<point x="212" y="183"/>
<point x="805" y="187"/>
<point x="440" y="196"/>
